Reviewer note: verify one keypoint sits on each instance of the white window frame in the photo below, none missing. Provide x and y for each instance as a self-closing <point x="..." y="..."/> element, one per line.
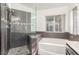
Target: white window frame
<point x="74" y="20"/>
<point x="62" y="26"/>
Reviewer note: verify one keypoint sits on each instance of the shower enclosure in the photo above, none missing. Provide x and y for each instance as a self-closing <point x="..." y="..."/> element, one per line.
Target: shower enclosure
<point x="15" y="25"/>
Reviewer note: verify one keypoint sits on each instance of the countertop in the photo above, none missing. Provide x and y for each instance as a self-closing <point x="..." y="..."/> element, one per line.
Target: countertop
<point x="35" y="36"/>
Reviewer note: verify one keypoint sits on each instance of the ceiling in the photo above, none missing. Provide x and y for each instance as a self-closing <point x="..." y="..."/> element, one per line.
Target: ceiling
<point x="41" y="6"/>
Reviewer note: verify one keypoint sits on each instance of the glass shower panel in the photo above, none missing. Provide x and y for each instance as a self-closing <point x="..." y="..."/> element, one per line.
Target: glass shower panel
<point x="18" y="21"/>
<point x="28" y="22"/>
<point x="5" y="28"/>
<point x="34" y="20"/>
<point x="20" y="26"/>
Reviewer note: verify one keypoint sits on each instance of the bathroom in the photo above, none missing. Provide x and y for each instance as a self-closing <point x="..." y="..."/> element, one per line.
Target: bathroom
<point x="39" y="29"/>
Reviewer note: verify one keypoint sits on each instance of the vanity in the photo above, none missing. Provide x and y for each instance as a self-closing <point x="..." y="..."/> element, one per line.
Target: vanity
<point x="33" y="43"/>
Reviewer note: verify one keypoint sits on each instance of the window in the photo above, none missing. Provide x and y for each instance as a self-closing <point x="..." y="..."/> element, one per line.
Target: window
<point x="55" y="23"/>
<point x="50" y="23"/>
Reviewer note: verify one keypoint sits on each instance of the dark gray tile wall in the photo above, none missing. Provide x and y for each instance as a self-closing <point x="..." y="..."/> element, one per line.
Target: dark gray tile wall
<point x="17" y="39"/>
<point x="25" y="18"/>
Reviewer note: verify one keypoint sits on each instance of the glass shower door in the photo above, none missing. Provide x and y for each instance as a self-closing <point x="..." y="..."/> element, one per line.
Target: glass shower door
<point x="5" y="29"/>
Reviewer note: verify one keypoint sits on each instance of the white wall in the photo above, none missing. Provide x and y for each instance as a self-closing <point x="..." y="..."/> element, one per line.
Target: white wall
<point x="19" y="6"/>
<point x="71" y="19"/>
<point x="38" y="22"/>
<point x="41" y="21"/>
<point x="77" y="19"/>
